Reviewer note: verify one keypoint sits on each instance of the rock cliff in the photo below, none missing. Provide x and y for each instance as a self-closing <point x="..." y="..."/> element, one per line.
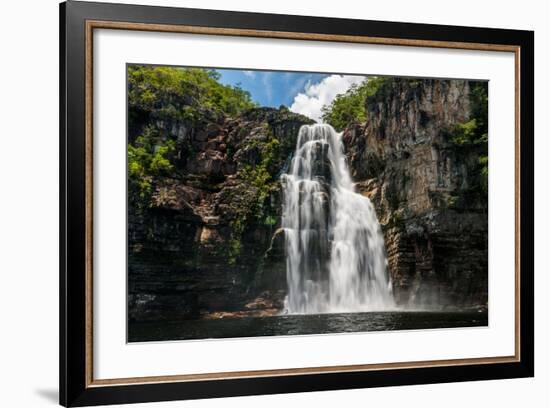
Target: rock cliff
<point x="199" y="243"/>
<point x="414" y="160"/>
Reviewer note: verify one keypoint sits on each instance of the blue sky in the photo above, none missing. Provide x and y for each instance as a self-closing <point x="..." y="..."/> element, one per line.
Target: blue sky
<point x="270" y="88"/>
<point x="304" y="93"/>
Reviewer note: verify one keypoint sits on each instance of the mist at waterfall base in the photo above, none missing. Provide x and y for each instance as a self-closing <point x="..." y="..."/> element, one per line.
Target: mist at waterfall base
<point x="336" y="267"/>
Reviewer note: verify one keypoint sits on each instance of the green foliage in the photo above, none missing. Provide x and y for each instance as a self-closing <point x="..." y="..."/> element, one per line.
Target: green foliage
<point x="147" y="160"/>
<point x="453" y="201"/>
<point x="349" y="107"/>
<point x="346" y="108"/>
<point x="171" y="94"/>
<point x="260" y="176"/>
<point x="479" y="98"/>
<point x="484" y="172"/>
<point x="177" y="93"/>
<point x="234" y="247"/>
<point x="474" y="131"/>
<point x="270" y="221"/>
<point x="473" y="134"/>
<point x="257" y="209"/>
<point x="465" y="133"/>
<point x="470" y="139"/>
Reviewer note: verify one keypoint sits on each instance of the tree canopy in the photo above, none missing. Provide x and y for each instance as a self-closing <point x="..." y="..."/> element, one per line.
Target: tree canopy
<point x="349" y="107"/>
<point x="171" y="88"/>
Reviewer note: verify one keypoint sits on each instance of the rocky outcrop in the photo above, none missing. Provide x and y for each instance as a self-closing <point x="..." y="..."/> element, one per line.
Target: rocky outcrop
<point x="427" y="189"/>
<point x="199" y="244"/>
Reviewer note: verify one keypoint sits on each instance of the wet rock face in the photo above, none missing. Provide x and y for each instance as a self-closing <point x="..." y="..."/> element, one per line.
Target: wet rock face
<point x="424" y="190"/>
<point x="200" y="246"/>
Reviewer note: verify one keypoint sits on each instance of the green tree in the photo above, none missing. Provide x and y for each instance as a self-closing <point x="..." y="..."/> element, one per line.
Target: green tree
<point x="179" y="92"/>
<point x="147" y="160"/>
<point x="349" y="107"/>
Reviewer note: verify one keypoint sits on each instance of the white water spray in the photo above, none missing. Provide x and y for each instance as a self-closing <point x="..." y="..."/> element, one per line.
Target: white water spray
<point x="335" y="257"/>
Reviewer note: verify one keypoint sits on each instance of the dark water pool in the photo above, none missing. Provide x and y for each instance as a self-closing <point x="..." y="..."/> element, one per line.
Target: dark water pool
<point x="301" y="324"/>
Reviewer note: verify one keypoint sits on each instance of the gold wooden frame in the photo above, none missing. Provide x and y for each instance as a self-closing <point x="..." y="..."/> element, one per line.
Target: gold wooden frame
<point x="99" y="24"/>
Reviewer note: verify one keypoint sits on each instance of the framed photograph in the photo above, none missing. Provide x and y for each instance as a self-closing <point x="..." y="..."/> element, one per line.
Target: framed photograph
<point x="256" y="203"/>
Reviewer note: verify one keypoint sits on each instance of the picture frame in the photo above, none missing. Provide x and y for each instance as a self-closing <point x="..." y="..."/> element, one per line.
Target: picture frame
<point x="78" y="384"/>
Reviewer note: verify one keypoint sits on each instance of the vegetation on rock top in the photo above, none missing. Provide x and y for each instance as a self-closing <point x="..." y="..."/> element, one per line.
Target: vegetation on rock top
<point x="349" y="108"/>
<point x="180" y="92"/>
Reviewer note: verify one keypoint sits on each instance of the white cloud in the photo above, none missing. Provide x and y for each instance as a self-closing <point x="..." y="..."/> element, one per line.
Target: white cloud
<point x="315" y="96"/>
<point x="250" y="74"/>
<point x="266" y="81"/>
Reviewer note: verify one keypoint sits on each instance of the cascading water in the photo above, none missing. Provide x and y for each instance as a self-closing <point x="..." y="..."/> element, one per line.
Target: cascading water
<point x="335" y="255"/>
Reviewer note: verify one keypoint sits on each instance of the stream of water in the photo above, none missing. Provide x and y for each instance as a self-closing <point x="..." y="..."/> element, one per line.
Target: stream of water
<point x="335" y="256"/>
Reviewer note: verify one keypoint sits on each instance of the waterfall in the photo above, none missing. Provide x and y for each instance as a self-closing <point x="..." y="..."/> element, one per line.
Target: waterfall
<point x="335" y="256"/>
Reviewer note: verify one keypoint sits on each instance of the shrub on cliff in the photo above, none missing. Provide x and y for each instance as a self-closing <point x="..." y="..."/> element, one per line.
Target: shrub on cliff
<point x="349" y="108"/>
<point x="471" y="139"/>
<point x="147" y="160"/>
<point x="473" y="134"/>
<point x="179" y="92"/>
